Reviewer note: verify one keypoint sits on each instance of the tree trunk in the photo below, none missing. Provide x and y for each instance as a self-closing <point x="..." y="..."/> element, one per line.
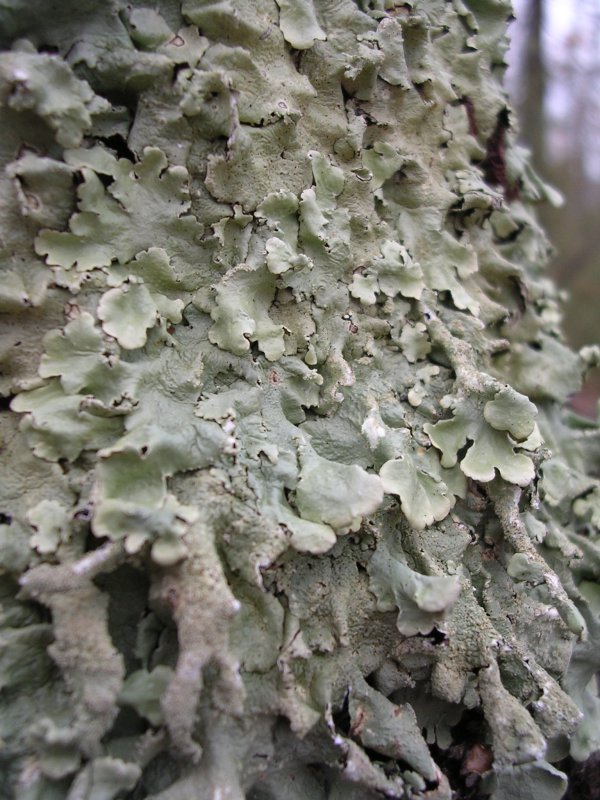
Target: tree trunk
<point x="534" y="77"/>
<point x="290" y="507"/>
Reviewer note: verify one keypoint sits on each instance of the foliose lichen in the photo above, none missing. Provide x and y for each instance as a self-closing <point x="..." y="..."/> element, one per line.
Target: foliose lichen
<point x="290" y="505"/>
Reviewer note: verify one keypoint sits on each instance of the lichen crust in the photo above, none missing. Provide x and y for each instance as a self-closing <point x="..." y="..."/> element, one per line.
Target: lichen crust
<point x="290" y="502"/>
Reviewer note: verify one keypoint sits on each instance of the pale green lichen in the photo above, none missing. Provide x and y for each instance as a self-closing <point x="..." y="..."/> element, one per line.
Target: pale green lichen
<point x="50" y="521"/>
<point x="337" y="494"/>
<point x="487" y="448"/>
<point x="298" y="23"/>
<point x="424" y="497"/>
<point x="46" y="85"/>
<point x="286" y="479"/>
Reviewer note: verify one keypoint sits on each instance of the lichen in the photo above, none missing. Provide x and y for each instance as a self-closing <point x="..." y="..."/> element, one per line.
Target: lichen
<point x="290" y="505"/>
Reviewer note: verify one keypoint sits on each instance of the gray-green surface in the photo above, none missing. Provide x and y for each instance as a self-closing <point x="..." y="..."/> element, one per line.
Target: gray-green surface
<point x="288" y="497"/>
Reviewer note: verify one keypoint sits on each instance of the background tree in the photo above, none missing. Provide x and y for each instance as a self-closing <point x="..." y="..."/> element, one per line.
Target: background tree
<point x="290" y="507"/>
<point x="555" y="63"/>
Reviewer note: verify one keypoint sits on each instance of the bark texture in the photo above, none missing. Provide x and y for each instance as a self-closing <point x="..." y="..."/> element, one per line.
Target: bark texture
<point x="290" y="506"/>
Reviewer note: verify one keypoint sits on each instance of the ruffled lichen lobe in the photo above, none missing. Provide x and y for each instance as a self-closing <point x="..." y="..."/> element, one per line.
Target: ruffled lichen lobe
<point x="290" y="504"/>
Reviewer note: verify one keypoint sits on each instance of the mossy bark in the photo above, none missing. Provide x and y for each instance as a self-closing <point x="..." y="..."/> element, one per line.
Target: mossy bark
<point x="291" y="507"/>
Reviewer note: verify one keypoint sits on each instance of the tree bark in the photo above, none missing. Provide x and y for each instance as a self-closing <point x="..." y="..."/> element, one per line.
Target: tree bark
<point x="290" y="505"/>
<point x="532" y="113"/>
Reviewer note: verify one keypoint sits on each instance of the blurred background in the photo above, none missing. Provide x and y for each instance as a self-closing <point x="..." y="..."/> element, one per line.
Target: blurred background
<point x="554" y="83"/>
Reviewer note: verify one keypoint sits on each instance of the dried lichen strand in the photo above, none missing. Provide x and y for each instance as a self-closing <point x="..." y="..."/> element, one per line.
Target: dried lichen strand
<point x="198" y="598"/>
<point x="506" y="501"/>
<point x="91" y="666"/>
